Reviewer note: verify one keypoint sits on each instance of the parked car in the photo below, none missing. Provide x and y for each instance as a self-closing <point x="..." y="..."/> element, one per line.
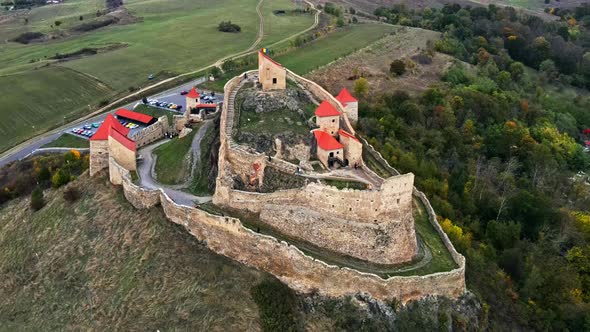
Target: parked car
<point x="87" y="126"/>
<point x="183" y="92"/>
<point x="150" y="76"/>
<point x="95" y="125"/>
<point x="179" y="107"/>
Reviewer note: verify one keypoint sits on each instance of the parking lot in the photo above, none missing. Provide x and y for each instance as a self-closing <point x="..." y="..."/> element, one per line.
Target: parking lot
<point x="164" y="101"/>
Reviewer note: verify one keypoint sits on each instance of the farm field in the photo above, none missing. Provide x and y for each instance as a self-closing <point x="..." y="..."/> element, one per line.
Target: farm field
<point x="172" y="37"/>
<point x="277" y="27"/>
<point x="338" y="44"/>
<point x="33" y="101"/>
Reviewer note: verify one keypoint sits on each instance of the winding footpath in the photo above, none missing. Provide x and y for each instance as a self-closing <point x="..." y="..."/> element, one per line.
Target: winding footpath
<point x="145" y="170"/>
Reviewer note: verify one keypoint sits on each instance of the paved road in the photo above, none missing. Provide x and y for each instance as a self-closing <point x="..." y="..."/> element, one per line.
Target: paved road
<point x="145" y="170"/>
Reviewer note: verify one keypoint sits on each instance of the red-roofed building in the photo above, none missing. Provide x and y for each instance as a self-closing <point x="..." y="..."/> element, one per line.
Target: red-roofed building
<point x="135" y="116"/>
<point x="110" y="140"/>
<point x="353" y="148"/>
<point x="271" y="75"/>
<point x="327" y="118"/>
<point x="192" y="99"/>
<point x="350" y="104"/>
<point x="328" y="148"/>
<point x="102" y="133"/>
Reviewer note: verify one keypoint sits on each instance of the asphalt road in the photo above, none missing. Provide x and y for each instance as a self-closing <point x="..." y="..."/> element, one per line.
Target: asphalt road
<point x="26" y="151"/>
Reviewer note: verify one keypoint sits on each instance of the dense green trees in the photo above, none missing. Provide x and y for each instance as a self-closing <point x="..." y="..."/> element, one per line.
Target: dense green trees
<point x="498" y="149"/>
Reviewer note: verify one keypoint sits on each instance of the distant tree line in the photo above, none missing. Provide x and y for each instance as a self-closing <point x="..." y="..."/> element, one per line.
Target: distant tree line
<point x="528" y="39"/>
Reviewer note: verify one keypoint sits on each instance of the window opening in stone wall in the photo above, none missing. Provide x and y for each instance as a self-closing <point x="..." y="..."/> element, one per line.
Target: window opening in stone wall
<point x="274" y="81"/>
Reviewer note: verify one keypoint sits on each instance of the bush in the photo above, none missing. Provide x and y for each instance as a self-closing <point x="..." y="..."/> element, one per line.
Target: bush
<point x="60" y="178"/>
<point x="71" y="194"/>
<point x="397" y="67"/>
<point x="228" y="27"/>
<point x="37" y="200"/>
<point x="27" y="37"/>
<point x="277" y="305"/>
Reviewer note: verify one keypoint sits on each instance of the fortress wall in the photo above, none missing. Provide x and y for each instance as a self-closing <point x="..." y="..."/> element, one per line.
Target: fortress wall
<point x="321" y="93"/>
<point x="99" y="156"/>
<point x="384" y="243"/>
<point x="354" y="205"/>
<point x="152" y="133"/>
<point x="227" y="236"/>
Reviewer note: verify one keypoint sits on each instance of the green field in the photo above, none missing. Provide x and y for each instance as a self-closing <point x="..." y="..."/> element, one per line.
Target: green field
<point x="34" y="101"/>
<point x="173" y="164"/>
<point x="173" y="36"/>
<point x="338" y="44"/>
<point x="277" y="27"/>
<point x="68" y="141"/>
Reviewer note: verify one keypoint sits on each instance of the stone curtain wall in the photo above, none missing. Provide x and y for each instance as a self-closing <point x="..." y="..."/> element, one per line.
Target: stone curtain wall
<point x="228" y="237"/>
<point x="152" y="133"/>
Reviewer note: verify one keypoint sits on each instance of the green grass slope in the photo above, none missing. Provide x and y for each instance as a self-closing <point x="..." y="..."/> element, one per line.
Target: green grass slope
<point x="34" y="101"/>
<point x="99" y="264"/>
<point x="333" y="46"/>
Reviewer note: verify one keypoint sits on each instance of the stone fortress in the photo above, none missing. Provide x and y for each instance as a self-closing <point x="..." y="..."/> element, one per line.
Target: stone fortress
<point x="374" y="225"/>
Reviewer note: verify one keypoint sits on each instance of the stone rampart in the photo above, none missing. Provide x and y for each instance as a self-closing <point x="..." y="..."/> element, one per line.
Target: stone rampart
<point x="152" y="133"/>
<point x="227" y="236"/>
<point x="99" y="156"/>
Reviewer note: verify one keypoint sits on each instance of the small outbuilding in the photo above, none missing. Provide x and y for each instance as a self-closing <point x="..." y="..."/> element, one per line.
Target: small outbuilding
<point x="329" y="150"/>
<point x="144" y="119"/>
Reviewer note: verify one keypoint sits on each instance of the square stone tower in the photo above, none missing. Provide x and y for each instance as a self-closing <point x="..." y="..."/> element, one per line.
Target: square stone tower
<point x="271" y="74"/>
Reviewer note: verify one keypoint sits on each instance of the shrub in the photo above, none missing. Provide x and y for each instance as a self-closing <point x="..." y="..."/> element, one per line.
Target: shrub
<point x="27" y="37"/>
<point x="228" y="26"/>
<point x="60" y="178"/>
<point x="71" y="194"/>
<point x="397" y="67"/>
<point x="277" y="305"/>
<point x="57" y="23"/>
<point x="361" y="87"/>
<point x="37" y="200"/>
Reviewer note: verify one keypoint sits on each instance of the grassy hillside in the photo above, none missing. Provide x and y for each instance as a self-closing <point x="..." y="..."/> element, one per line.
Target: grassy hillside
<point x="100" y="264"/>
<point x="35" y="101"/>
<point x="332" y="47"/>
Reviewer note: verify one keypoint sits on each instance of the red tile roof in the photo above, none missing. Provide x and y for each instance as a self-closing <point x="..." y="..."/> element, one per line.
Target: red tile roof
<point x="326" y="109"/>
<point x="269" y="59"/>
<point x="102" y="134"/>
<point x="139" y="117"/>
<point x="126" y="142"/>
<point x="206" y="106"/>
<point x="344" y="97"/>
<point x="343" y="132"/>
<point x="326" y="141"/>
<point x="193" y="93"/>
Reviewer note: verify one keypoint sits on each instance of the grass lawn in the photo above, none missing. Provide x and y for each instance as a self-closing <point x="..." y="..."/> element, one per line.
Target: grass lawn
<point x="99" y="264"/>
<point x="154" y="112"/>
<point x="335" y="45"/>
<point x="341" y="184"/>
<point x="200" y="181"/>
<point x="277" y="27"/>
<point x="68" y="141"/>
<point x="173" y="162"/>
<point x="35" y="101"/>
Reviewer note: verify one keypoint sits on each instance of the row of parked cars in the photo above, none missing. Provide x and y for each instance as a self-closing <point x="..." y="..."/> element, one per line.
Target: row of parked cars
<point x="163" y="104"/>
<point x="128" y="124"/>
<point x="83" y="132"/>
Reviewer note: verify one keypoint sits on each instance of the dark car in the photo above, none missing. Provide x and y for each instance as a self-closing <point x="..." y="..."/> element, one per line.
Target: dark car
<point x="184" y="92"/>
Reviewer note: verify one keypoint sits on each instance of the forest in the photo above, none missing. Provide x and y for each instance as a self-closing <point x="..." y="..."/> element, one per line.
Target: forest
<point x="500" y="148"/>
